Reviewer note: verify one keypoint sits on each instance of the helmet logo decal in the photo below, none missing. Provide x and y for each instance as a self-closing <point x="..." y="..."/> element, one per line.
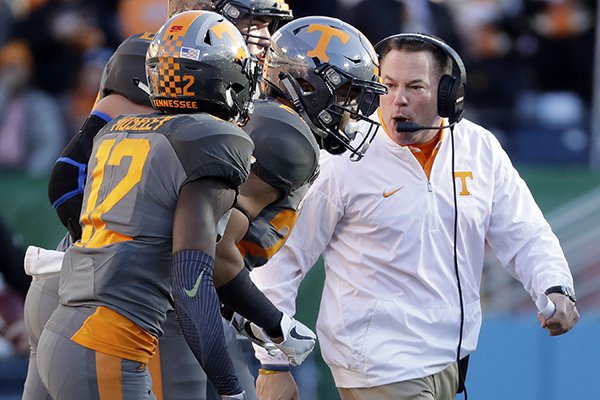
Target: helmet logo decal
<point x="189" y="53"/>
<point x="283" y="5"/>
<point x="149" y="36"/>
<point x="179" y="26"/>
<point x="327" y="33"/>
<point x="228" y="28"/>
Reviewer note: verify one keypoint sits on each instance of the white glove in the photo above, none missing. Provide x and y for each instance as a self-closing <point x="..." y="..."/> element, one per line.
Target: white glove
<point x="298" y="339"/>
<point x="240" y="396"/>
<point x="247" y="329"/>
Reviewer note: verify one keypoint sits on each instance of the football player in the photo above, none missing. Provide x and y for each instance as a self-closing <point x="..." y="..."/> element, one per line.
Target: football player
<point x="325" y="71"/>
<point x="174" y="370"/>
<point x="286" y="160"/>
<point x="157" y="186"/>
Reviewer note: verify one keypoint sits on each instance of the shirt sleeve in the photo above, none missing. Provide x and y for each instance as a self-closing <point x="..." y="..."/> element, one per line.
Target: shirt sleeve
<point x="320" y="212"/>
<point x="520" y="236"/>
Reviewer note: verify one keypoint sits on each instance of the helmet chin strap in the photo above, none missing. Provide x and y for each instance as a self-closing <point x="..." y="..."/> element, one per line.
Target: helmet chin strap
<point x="141" y="85"/>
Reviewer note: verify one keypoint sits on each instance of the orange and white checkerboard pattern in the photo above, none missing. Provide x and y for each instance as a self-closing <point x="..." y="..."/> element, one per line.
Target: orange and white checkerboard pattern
<point x="169" y="78"/>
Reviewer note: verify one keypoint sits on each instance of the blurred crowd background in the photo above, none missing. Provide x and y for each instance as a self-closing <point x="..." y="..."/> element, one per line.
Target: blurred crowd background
<point x="529" y="62"/>
<point x="530" y="68"/>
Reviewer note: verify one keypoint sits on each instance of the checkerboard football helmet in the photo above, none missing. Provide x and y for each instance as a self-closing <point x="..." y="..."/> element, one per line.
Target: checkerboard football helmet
<point x="329" y="71"/>
<point x="199" y="62"/>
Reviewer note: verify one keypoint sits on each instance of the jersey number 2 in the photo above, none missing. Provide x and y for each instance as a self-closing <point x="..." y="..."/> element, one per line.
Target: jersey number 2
<point x="110" y="153"/>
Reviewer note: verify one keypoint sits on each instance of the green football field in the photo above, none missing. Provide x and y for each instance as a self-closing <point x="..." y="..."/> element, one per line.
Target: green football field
<point x="25" y="208"/>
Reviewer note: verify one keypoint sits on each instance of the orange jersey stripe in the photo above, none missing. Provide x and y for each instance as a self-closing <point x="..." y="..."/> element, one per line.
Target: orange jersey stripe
<point x="111" y="333"/>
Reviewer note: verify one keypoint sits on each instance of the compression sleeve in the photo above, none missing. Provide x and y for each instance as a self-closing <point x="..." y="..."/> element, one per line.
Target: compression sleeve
<point x="242" y="296"/>
<point x="67" y="179"/>
<point x="197" y="309"/>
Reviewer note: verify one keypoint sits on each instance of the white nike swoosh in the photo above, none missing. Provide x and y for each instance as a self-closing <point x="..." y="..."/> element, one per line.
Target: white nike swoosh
<point x="194" y="290"/>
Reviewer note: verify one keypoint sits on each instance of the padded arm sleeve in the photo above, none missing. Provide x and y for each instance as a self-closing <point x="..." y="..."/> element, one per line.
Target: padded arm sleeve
<point x="67" y="179"/>
<point x="197" y="308"/>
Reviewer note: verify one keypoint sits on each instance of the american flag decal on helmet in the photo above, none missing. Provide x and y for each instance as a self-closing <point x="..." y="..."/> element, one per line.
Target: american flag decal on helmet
<point x="189" y="53"/>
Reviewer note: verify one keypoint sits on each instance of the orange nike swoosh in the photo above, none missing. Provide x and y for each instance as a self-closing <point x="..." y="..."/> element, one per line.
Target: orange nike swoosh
<point x="388" y="194"/>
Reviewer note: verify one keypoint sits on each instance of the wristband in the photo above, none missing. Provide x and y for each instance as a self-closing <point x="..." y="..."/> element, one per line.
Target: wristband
<point x="274" y="368"/>
<point x="268" y="372"/>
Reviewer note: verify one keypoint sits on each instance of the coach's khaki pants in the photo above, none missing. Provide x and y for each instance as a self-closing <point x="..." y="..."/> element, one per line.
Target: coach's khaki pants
<point x="440" y="386"/>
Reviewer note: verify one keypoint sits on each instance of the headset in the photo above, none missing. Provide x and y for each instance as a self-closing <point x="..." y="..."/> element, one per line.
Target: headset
<point x="450" y="101"/>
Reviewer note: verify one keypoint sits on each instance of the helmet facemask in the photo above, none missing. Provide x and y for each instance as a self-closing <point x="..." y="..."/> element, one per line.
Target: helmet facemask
<point x="329" y="72"/>
<point x="334" y="118"/>
<point x="255" y="12"/>
<point x="353" y="101"/>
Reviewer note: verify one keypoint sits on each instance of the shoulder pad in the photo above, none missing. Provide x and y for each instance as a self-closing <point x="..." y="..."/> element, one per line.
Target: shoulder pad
<point x="208" y="146"/>
<point x="286" y="152"/>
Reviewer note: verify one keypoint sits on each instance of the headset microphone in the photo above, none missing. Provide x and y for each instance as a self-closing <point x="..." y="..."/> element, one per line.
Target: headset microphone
<point x="404" y="126"/>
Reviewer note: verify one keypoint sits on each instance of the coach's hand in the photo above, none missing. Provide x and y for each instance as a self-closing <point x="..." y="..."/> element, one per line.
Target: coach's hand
<point x="277" y="386"/>
<point x="564" y="318"/>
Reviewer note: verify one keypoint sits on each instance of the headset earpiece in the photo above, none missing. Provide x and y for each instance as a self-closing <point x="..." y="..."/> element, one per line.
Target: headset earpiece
<point x="446" y="96"/>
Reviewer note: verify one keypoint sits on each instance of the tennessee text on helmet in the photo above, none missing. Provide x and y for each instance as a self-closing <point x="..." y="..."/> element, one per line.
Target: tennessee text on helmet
<point x="199" y="62"/>
<point x="329" y="71"/>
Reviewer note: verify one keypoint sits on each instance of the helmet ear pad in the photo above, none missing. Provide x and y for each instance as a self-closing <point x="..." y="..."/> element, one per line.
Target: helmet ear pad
<point x="447" y="95"/>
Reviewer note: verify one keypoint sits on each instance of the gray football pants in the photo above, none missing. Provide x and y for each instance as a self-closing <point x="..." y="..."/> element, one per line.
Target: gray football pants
<point x="71" y="372"/>
<point x="174" y="369"/>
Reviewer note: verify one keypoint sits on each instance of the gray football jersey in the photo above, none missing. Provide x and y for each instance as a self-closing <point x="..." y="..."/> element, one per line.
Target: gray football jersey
<point x="287" y="157"/>
<point x="126" y="64"/>
<point x="138" y="166"/>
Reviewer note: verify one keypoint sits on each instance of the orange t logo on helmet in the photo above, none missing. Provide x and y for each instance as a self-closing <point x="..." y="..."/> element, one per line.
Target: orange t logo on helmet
<point x="222" y="28"/>
<point x="327" y="32"/>
<point x="284" y="6"/>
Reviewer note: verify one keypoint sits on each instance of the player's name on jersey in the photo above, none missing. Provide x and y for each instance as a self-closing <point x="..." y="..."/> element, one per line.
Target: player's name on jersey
<point x="172" y="103"/>
<point x="140" y="124"/>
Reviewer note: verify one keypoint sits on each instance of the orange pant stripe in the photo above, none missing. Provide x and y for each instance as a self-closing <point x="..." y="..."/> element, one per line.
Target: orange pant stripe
<point x="108" y="373"/>
<point x="156" y="374"/>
